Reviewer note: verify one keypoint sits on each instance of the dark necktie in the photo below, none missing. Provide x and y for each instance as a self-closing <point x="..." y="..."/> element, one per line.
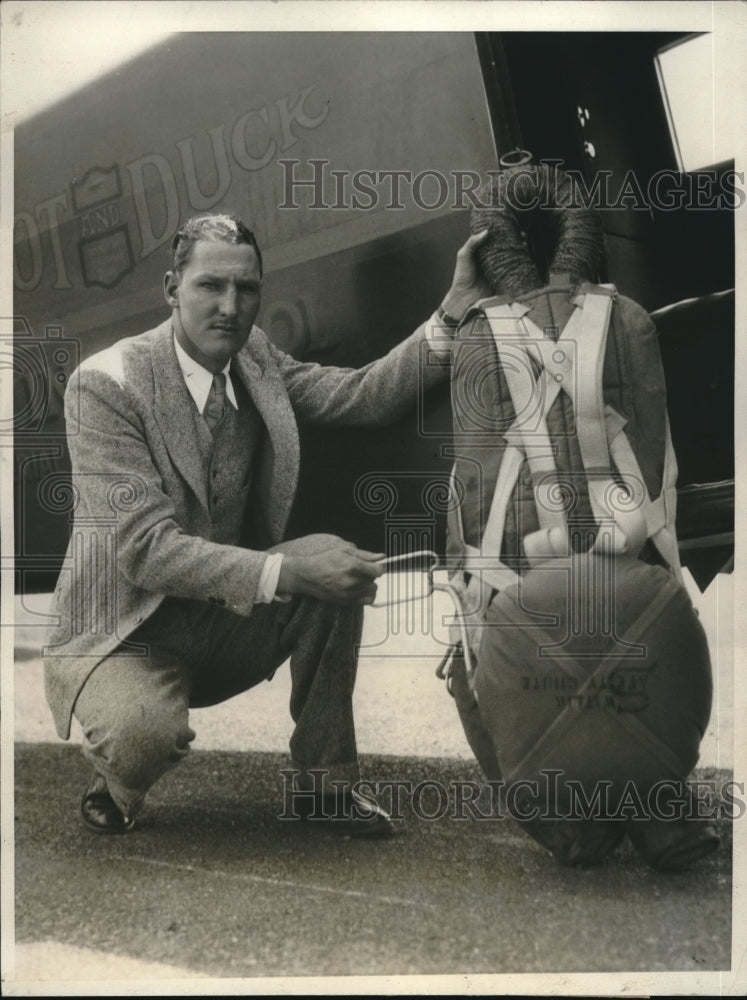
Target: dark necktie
<point x="216" y="402"/>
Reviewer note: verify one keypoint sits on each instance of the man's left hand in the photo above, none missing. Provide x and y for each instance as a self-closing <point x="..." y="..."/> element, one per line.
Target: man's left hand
<point x="468" y="284"/>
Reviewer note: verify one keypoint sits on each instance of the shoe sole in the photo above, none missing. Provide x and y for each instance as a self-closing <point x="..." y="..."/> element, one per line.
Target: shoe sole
<point x="108" y="830"/>
<point x="99" y="828"/>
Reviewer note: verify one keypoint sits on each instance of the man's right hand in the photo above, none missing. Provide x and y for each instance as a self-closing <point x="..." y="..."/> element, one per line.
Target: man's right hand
<point x="341" y="573"/>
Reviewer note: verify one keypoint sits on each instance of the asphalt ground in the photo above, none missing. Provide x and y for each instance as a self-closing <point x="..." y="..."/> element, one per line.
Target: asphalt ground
<point x="212" y="881"/>
<point x="213" y="887"/>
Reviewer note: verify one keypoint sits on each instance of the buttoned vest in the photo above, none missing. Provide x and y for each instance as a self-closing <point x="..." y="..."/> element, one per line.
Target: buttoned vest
<point x="228" y="457"/>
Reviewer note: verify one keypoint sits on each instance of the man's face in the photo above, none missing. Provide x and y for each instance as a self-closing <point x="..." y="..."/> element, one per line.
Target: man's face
<point x="215" y="300"/>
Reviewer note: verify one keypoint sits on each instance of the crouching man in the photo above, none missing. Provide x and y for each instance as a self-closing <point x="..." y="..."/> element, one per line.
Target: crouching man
<point x="178" y="590"/>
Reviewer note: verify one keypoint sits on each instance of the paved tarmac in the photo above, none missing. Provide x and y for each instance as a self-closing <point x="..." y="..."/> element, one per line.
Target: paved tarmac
<point x="212" y="887"/>
<point x="213" y="882"/>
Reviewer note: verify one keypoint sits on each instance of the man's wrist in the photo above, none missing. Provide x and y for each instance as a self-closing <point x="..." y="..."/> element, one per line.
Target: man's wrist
<point x="288" y="577"/>
<point x="445" y="317"/>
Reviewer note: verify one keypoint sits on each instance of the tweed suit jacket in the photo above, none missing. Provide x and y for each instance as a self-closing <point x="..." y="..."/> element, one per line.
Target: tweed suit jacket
<point x="141" y="526"/>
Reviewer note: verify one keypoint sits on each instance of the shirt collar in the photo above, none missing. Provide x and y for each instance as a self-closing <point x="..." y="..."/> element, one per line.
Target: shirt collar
<point x="199" y="380"/>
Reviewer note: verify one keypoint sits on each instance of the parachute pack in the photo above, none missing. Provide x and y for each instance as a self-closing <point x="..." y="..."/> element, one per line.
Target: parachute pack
<point x="582" y="656"/>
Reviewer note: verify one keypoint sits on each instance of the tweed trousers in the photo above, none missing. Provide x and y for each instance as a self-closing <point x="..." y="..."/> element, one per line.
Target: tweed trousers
<point x="134" y="709"/>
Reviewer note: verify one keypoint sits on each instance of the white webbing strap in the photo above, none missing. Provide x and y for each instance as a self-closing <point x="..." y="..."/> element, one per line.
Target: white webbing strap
<point x="487" y="571"/>
<point x="485" y="574"/>
<point x="622" y="526"/>
<point x="557" y="361"/>
<point x="557" y="357"/>
<point x="492" y="539"/>
<point x="529" y="430"/>
<point x="592" y="437"/>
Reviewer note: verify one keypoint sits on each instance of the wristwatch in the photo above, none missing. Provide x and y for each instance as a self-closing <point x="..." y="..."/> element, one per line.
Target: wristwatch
<point x="445" y="318"/>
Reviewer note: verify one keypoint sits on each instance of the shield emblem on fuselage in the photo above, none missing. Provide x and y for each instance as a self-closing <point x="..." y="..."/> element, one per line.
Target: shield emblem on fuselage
<point x="106" y="257"/>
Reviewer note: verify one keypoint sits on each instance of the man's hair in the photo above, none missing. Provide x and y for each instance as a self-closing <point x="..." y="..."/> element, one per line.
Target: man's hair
<point x="221" y="228"/>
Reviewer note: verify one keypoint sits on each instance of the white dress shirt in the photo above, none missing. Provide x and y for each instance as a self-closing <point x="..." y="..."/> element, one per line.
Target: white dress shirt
<point x="199" y="382"/>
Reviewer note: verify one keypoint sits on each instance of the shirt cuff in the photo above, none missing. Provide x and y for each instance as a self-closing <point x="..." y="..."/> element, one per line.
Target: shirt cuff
<point x="439" y="334"/>
<point x="268" y="580"/>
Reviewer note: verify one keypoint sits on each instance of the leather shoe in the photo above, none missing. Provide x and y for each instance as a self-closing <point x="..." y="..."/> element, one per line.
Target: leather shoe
<point x="99" y="810"/>
<point x="350" y="813"/>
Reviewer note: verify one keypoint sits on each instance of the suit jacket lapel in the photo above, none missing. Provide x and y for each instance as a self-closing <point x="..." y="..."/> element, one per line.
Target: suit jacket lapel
<point x="278" y="472"/>
<point x="174" y="412"/>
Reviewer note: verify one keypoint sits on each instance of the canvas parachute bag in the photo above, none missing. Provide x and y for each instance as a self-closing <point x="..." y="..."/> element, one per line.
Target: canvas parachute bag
<point x="586" y="684"/>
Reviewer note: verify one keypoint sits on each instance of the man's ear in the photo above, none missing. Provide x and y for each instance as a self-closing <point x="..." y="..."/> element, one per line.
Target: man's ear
<point x="171" y="288"/>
